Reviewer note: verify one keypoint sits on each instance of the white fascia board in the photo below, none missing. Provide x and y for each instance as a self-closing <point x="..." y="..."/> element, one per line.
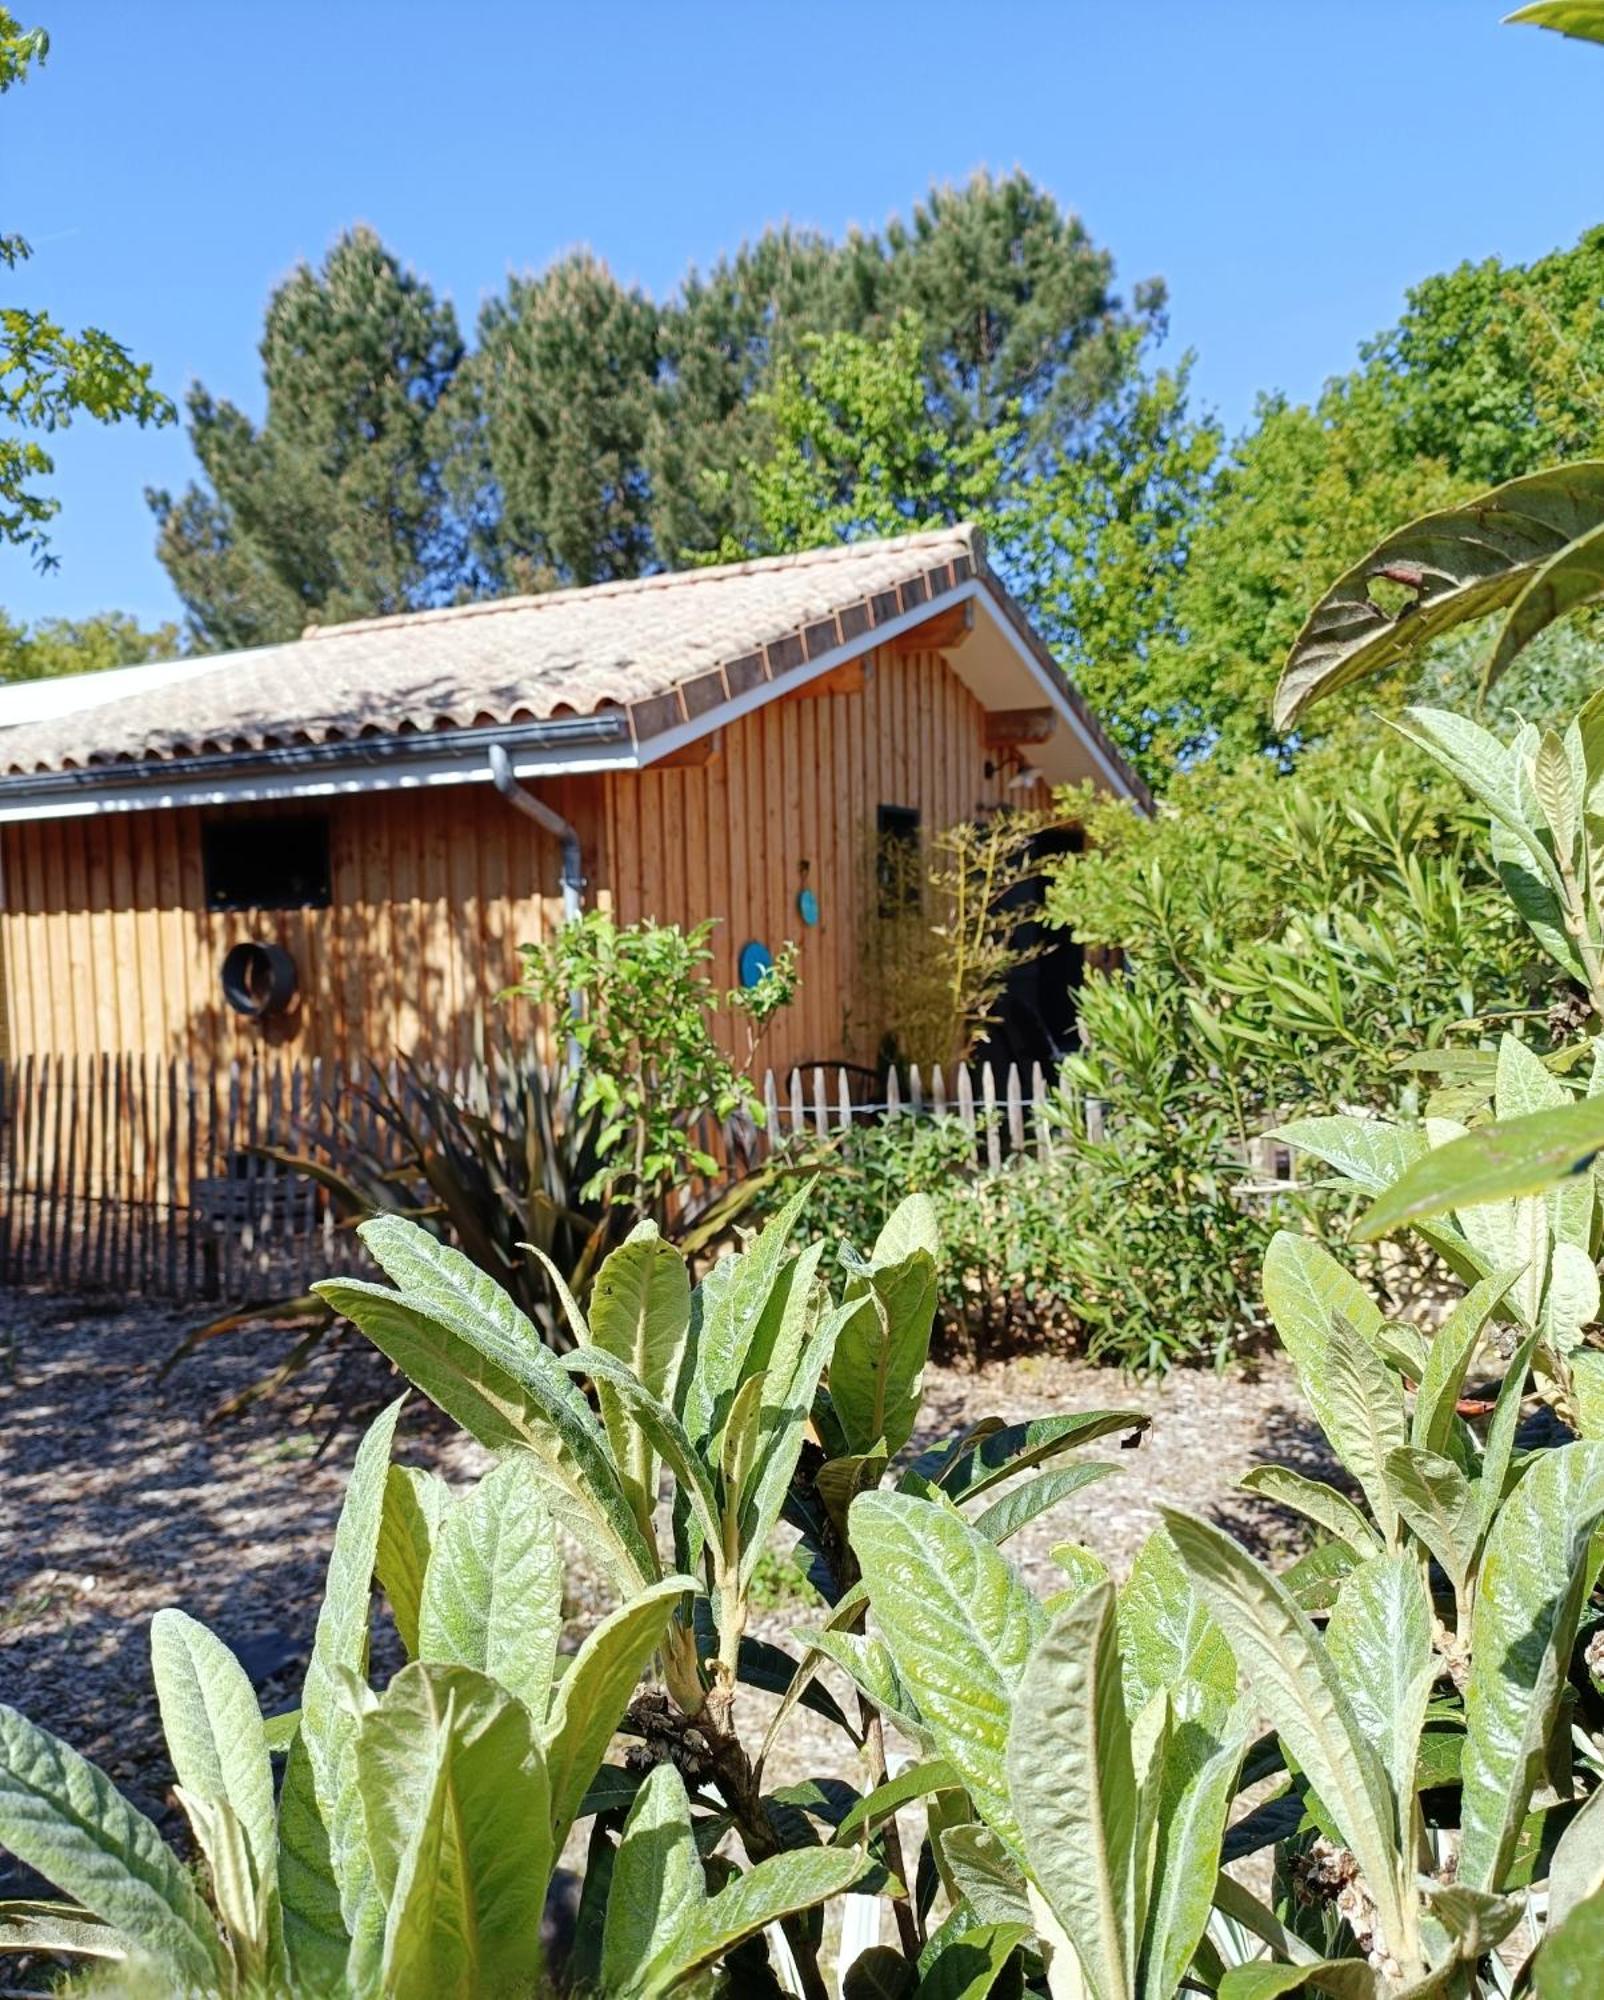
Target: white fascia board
<point x="1049" y="681"/>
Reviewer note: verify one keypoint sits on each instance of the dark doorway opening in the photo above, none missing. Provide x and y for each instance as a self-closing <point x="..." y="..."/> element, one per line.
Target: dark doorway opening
<point x="1037" y="1013"/>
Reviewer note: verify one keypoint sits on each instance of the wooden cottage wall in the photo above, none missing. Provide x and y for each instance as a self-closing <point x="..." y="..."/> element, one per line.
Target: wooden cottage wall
<point x="800" y="780"/>
<point x="109" y="947"/>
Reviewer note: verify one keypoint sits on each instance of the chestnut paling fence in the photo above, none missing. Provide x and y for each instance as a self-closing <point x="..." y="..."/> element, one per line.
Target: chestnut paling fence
<point x="130" y="1173"/>
<point x="138" y="1174"/>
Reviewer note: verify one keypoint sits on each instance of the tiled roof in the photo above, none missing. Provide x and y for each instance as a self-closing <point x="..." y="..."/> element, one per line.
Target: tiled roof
<point x="663" y="649"/>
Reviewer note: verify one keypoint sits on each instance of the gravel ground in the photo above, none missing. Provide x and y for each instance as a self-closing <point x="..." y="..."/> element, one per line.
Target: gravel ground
<point x="119" y="1497"/>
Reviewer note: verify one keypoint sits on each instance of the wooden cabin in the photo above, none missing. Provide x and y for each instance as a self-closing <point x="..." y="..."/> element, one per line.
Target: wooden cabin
<point x="335" y="846"/>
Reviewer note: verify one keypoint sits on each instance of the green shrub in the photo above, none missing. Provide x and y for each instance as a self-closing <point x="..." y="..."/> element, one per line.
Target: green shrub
<point x="1137" y="1249"/>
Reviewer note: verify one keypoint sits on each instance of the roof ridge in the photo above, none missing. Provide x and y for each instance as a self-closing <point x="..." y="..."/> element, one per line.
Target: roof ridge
<point x="963" y="532"/>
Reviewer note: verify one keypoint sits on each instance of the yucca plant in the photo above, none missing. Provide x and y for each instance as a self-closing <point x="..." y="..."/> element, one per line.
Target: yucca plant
<point x="500" y="1163"/>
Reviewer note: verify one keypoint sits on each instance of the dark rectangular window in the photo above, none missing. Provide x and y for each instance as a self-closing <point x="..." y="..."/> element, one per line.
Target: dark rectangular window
<point x="897" y="860"/>
<point x="266" y="864"/>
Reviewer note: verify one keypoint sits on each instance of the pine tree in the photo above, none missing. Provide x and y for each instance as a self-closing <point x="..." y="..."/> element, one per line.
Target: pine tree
<point x="1017" y="299"/>
<point x="340" y="504"/>
<point x="564" y="379"/>
<point x="720" y="340"/>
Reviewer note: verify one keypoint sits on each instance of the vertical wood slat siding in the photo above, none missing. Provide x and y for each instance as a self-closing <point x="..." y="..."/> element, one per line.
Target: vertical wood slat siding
<point x="800" y="780"/>
<point x="107" y="944"/>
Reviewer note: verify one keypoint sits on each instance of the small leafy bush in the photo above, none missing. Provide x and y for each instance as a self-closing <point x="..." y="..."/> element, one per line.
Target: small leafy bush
<point x="1137" y="1249"/>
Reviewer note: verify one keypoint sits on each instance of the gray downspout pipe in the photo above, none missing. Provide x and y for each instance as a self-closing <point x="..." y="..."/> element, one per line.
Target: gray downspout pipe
<point x="573" y="870"/>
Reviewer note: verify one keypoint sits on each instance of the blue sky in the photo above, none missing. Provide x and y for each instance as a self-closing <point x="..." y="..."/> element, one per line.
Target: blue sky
<point x="1289" y="166"/>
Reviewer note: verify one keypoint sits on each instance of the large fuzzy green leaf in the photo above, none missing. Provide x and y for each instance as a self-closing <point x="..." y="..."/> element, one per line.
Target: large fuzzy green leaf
<point x="1449" y="1356"/>
<point x="914" y="1781"/>
<point x="732" y="1324"/>
<point x="415" y="1503"/>
<point x="783" y="1429"/>
<point x="1502" y="1161"/>
<point x="1191" y="1832"/>
<point x="1305" y="1291"/>
<point x="1567" y="1966"/>
<point x="1463" y="562"/>
<point x="63" y="1817"/>
<point x="314" y="1928"/>
<point x="1340" y="1978"/>
<point x="1577" y="1869"/>
<point x="1499" y="1452"/>
<point x="1379" y="1641"/>
<point x="1014" y="1448"/>
<point x="1362" y="1412"/>
<point x="1574" y="576"/>
<point x="1074" y="1792"/>
<point x="657" y="1886"/>
<point x="1168" y="1641"/>
<point x="662" y="1928"/>
<point x="1298" y="1688"/>
<point x="868" y="1664"/>
<point x="594" y="1693"/>
<point x="1439" y="1504"/>
<point x="1534" y="1575"/>
<point x="966" y="1962"/>
<point x="1582" y="20"/>
<point x="43" y="1926"/>
<point x="984" y="1872"/>
<point x="1316" y="1501"/>
<point x="640" y="1312"/>
<point x="215" y="1737"/>
<point x="328" y="1727"/>
<point x="493" y="1593"/>
<point x="959" y="1625"/>
<point x="1488" y="770"/>
<point x="780" y="1887"/>
<point x="456" y="1812"/>
<point x="877" y="1372"/>
<point x="1020" y="1506"/>
<point x="658" y="1423"/>
<point x="452" y="1331"/>
<point x="1370" y="1152"/>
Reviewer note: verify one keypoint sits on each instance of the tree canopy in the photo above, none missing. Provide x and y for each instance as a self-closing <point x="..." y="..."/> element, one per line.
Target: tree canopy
<point x="593" y="433"/>
<point x="55" y="646"/>
<point x="339" y="504"/>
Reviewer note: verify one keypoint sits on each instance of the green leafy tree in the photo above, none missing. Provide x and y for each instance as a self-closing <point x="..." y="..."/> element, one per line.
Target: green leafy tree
<point x="564" y="376"/>
<point x="55" y="646"/>
<point x="1097" y="541"/>
<point x="338" y="505"/>
<point x="48" y="375"/>
<point x="639" y="1008"/>
<point x="1092" y="534"/>
<point x="856" y="450"/>
<point x="1491" y="371"/>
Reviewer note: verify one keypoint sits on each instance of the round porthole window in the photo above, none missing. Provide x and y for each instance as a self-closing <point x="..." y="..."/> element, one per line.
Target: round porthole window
<point x="258" y="980"/>
<point x="755" y="960"/>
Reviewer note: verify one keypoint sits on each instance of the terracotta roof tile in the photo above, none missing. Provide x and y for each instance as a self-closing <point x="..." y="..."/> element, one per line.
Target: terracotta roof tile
<point x="626" y="645"/>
